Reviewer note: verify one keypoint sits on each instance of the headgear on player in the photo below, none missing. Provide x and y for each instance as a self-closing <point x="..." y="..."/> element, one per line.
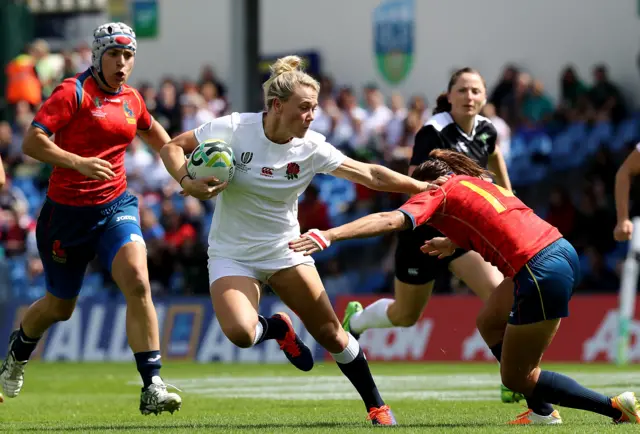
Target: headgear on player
<point x="111" y="35"/>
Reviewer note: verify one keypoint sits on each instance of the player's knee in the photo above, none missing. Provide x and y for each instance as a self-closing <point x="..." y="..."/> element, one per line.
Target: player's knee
<point x="61" y="311"/>
<point x="58" y="309"/>
<point x="513" y="382"/>
<point x="517" y="380"/>
<point x="135" y="283"/>
<point x="241" y="335"/>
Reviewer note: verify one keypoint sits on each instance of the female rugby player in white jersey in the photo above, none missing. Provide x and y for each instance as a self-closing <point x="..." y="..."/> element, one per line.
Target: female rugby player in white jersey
<point x="256" y="217"/>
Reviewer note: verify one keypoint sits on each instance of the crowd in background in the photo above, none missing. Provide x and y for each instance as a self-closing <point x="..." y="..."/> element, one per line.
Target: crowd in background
<point x="365" y="124"/>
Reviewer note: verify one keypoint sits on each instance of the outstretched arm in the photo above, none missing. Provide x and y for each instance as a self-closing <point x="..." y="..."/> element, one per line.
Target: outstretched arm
<point x="380" y="178"/>
<point x="365" y="227"/>
<point x="628" y="169"/>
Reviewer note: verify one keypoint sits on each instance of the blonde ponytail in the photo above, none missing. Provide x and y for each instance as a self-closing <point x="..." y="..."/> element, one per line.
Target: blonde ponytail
<point x="286" y="74"/>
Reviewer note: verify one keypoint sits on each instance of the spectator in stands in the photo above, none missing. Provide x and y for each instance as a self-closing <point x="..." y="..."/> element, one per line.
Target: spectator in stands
<point x="150" y="95"/>
<point x="597" y="276"/>
<point x="327" y="117"/>
<point x="208" y="74"/>
<point x="561" y="212"/>
<point x="512" y="104"/>
<point x="137" y="161"/>
<point x="168" y="110"/>
<point x="213" y="101"/>
<point x="603" y="168"/>
<point x="348" y="131"/>
<point x="178" y="231"/>
<point x="395" y="126"/>
<point x="593" y="223"/>
<point x="537" y="108"/>
<point x="11" y="197"/>
<point x="378" y="116"/>
<point x="571" y="89"/>
<point x="194" y="111"/>
<point x="151" y="229"/>
<point x="505" y="86"/>
<point x="312" y="212"/>
<point x="327" y="86"/>
<point x="69" y="68"/>
<point x="419" y="106"/>
<point x="84" y="60"/>
<point x="158" y="180"/>
<point x="606" y="97"/>
<point x="193" y="214"/>
<point x="23" y="83"/>
<point x="15" y="226"/>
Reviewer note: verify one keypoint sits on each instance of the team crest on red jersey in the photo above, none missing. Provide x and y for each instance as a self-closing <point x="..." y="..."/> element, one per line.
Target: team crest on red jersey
<point x="128" y="112"/>
<point x="98" y="112"/>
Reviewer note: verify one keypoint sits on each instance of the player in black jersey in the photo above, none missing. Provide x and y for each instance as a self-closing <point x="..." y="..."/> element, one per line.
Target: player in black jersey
<point x="455" y="125"/>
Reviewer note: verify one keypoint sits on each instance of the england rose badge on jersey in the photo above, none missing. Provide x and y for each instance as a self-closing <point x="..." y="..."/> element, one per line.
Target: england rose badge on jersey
<point x="292" y="171"/>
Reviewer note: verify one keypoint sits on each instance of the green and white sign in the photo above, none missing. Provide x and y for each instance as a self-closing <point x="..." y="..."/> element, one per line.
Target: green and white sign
<point x="144" y="14"/>
<point x="393" y="35"/>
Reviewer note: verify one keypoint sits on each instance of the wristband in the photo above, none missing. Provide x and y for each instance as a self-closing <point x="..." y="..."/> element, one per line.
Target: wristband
<point x="316" y="236"/>
<point x="182" y="179"/>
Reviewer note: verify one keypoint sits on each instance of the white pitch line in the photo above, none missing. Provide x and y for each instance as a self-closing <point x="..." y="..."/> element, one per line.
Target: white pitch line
<point x="478" y="387"/>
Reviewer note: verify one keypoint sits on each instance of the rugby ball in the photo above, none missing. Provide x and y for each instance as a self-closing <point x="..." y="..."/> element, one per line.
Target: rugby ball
<point x="212" y="158"/>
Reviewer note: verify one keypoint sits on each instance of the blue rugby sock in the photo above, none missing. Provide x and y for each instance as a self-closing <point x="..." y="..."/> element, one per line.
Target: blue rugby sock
<point x="149" y="365"/>
<point x="562" y="390"/>
<point x="23" y="346"/>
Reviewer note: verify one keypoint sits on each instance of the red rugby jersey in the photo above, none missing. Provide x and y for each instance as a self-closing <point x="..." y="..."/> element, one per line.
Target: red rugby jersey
<point x="481" y="216"/>
<point x="90" y="122"/>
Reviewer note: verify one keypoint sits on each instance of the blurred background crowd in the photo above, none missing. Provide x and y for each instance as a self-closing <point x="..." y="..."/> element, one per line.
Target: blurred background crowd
<point x="562" y="157"/>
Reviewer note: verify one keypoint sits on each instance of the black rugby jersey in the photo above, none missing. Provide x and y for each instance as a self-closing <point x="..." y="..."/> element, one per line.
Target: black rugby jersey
<point x="441" y="132"/>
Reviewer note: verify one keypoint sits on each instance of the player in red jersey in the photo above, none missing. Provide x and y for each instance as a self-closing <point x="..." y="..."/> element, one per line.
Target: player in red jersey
<point x="541" y="270"/>
<point x="94" y="116"/>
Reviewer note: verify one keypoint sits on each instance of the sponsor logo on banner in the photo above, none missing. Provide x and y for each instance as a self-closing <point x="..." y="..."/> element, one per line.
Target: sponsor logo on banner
<point x="447" y="332"/>
<point x="188" y="331"/>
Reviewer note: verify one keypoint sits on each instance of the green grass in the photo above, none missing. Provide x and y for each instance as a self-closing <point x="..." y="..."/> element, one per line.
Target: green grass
<point x="84" y="398"/>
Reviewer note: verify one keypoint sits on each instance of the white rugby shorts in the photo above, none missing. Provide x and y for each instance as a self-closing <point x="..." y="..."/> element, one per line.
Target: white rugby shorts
<point x="260" y="270"/>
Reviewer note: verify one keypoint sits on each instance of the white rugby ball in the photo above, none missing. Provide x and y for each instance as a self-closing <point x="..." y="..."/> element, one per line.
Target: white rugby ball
<point x="212" y="158"/>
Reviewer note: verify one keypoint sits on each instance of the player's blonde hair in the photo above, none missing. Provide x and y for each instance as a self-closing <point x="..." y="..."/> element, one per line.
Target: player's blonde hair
<point x="286" y="74"/>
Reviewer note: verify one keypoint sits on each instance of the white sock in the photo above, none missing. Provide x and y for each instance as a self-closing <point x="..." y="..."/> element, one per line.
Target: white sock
<point x="350" y="352"/>
<point x="259" y="332"/>
<point x="373" y="316"/>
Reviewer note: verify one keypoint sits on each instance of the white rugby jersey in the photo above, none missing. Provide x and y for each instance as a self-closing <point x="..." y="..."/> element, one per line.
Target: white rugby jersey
<point x="257" y="214"/>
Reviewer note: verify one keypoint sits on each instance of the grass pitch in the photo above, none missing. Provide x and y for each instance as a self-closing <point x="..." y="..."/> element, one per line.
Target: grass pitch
<point x="453" y="398"/>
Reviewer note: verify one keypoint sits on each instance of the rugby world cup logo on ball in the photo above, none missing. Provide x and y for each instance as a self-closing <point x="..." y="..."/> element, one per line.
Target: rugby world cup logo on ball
<point x="212" y="158"/>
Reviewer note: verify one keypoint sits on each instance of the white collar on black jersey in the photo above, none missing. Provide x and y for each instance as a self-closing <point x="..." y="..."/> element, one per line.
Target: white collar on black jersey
<point x="476" y="120"/>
